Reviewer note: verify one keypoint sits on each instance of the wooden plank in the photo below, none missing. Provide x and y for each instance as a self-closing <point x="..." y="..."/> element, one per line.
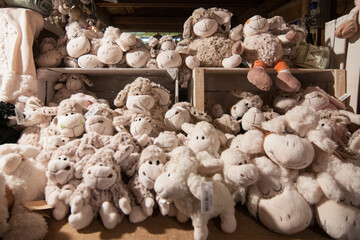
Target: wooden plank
<point x="339" y="82"/>
<point x="178" y="4"/>
<point x="199" y="89"/>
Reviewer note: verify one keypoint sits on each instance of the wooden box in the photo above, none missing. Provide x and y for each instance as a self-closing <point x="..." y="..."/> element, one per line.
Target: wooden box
<point x="216" y="83"/>
<point x="107" y="82"/>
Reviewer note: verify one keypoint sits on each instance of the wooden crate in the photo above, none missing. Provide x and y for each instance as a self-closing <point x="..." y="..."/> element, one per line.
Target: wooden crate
<point x="107" y="82"/>
<point x="216" y="83"/>
<point x="345" y="55"/>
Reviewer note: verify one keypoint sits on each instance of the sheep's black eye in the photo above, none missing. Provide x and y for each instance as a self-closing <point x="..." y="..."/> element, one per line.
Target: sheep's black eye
<point x="323" y="124"/>
<point x="150" y="162"/>
<point x="157" y="162"/>
<point x="72" y="113"/>
<point x="59" y="158"/>
<point x="65" y="158"/>
<point x="168" y="174"/>
<point x="197" y="137"/>
<point x="67" y="114"/>
<point x="63" y="140"/>
<point x="100" y="165"/>
<point x="202" y="137"/>
<point x="245" y="162"/>
<point x="240" y="163"/>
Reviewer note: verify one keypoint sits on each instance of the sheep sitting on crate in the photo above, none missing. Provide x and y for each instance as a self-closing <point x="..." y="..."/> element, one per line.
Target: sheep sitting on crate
<point x="180" y="183"/>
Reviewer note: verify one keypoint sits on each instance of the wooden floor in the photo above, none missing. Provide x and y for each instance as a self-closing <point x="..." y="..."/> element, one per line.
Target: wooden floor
<point x="159" y="227"/>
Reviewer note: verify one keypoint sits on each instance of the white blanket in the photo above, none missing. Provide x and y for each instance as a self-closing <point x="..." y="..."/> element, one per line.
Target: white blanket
<point x="18" y="29"/>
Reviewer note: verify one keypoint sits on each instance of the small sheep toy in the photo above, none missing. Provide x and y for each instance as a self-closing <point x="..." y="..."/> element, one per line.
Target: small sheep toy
<point x="180" y="183"/>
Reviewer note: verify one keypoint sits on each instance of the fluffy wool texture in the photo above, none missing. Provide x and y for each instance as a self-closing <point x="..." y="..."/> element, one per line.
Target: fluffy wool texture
<point x="265" y="47"/>
<point x="27" y="183"/>
<point x="181" y="171"/>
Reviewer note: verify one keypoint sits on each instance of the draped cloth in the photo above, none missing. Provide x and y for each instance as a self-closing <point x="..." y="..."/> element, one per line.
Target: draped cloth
<point x="18" y="29"/>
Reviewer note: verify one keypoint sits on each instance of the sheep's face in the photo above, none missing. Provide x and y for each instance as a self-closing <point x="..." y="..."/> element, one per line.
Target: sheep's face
<point x="71" y="124"/>
<point x="99" y="124"/>
<point x="61" y="169"/>
<point x="175" y="117"/>
<point x="240" y="108"/>
<point x="167" y="141"/>
<point x="256" y="25"/>
<point x="237" y="169"/>
<point x="284" y="102"/>
<point x="109" y="53"/>
<point x="169" y="59"/>
<point x="49" y="59"/>
<point x="289" y="151"/>
<point x="202" y="141"/>
<point x="285" y="213"/>
<point x="78" y="46"/>
<point x="149" y="171"/>
<point x="316" y="99"/>
<point x="167" y="185"/>
<point x="89" y="61"/>
<point x="137" y="58"/>
<point x="205" y="27"/>
<point x="73" y="82"/>
<point x="140" y="125"/>
<point x="326" y="127"/>
<point x="54" y="142"/>
<point x="140" y="103"/>
<point x="100" y="176"/>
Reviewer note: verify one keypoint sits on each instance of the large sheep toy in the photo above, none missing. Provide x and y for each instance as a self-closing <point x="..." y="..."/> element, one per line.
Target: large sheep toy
<point x="141" y="185"/>
<point x="208" y="40"/>
<point x="138" y="55"/>
<point x="180" y="183"/>
<point x="205" y="141"/>
<point x="102" y="191"/>
<point x="26" y="182"/>
<point x="262" y="49"/>
<point x="99" y="119"/>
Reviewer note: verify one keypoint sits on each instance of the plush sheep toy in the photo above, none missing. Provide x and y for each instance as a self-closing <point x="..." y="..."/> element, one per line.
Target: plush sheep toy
<point x="180" y="183"/>
<point x="69" y="84"/>
<point x="262" y="49"/>
<point x="61" y="182"/>
<point x="152" y="161"/>
<point x="102" y="191"/>
<point x="183" y="112"/>
<point x="205" y="141"/>
<point x="167" y="56"/>
<point x="113" y="44"/>
<point x="208" y="40"/>
<point x="99" y="118"/>
<point x="26" y="182"/>
<point x="138" y="55"/>
<point x="70" y="120"/>
<point x="49" y="56"/>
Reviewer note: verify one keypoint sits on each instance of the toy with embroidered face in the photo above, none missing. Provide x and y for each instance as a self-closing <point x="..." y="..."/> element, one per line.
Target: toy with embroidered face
<point x="78" y="40"/>
<point x="262" y="49"/>
<point x="61" y="183"/>
<point x="167" y="56"/>
<point x="180" y="183"/>
<point x="25" y="182"/>
<point x="69" y="84"/>
<point x="138" y="55"/>
<point x="183" y="112"/>
<point x="208" y="40"/>
<point x="113" y="44"/>
<point x="102" y="192"/>
<point x="99" y="119"/>
<point x="238" y="172"/>
<point x="141" y="185"/>
<point x="49" y="146"/>
<point x="205" y="141"/>
<point x="49" y="54"/>
<point x="319" y="99"/>
<point x="70" y="119"/>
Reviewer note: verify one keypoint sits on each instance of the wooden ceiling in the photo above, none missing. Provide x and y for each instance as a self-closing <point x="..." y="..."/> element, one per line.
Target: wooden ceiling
<point x="169" y="16"/>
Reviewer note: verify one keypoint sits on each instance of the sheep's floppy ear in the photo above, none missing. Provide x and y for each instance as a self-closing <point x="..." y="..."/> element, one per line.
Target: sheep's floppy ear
<point x="222" y="137"/>
<point x="120" y="99"/>
<point x="237" y="33"/>
<point x="240" y="94"/>
<point x="86" y="80"/>
<point x="55" y="121"/>
<point x="34" y="101"/>
<point x="223" y="16"/>
<point x="199" y="115"/>
<point x="161" y="94"/>
<point x="187" y="127"/>
<point x="63" y="77"/>
<point x="187" y="29"/>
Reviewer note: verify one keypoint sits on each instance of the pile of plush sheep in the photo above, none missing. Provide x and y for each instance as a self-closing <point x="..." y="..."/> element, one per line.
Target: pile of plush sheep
<point x="290" y="163"/>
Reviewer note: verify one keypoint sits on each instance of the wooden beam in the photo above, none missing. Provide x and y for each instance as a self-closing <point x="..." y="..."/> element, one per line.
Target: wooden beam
<point x="148" y="24"/>
<point x="187" y="3"/>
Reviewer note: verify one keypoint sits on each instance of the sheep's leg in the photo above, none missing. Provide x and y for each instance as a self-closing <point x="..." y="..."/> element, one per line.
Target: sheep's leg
<point x="60" y="210"/>
<point x="201" y="232"/>
<point x="137" y="215"/>
<point x="82" y="218"/>
<point x="109" y="215"/>
<point x="228" y="223"/>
